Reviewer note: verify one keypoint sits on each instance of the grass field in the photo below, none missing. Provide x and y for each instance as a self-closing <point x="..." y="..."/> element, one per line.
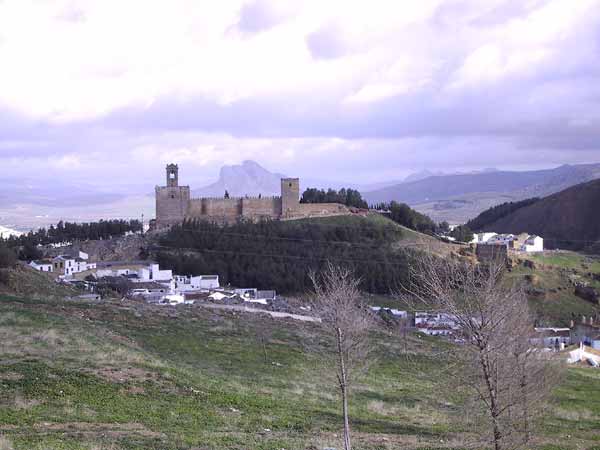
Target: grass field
<point x="568" y="260"/>
<point x="112" y="376"/>
<point x="551" y="275"/>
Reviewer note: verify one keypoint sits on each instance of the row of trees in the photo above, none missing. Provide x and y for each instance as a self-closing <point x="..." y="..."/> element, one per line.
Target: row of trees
<point x="404" y="215"/>
<point x="26" y="244"/>
<point x="348" y="197"/>
<point x="503" y="380"/>
<point x="279" y="255"/>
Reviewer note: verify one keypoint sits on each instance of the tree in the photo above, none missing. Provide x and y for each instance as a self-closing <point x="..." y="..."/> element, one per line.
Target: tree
<point x="29" y="252"/>
<point x="443" y="227"/>
<point x="348" y="197"/>
<point x="462" y="233"/>
<point x="505" y="376"/>
<point x="404" y="215"/>
<point x="8" y="258"/>
<point x="346" y="321"/>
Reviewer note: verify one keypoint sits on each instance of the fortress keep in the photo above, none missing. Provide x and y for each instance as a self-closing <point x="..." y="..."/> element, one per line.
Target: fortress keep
<point x="174" y="204"/>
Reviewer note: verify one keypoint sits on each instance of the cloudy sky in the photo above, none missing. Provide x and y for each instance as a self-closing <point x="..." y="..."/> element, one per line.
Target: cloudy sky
<point x="106" y="92"/>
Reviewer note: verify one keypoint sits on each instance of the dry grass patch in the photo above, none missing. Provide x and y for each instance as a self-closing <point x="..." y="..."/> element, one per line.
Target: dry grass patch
<point x="575" y="415"/>
<point x="11" y="376"/>
<point x="5" y="444"/>
<point x="21" y="402"/>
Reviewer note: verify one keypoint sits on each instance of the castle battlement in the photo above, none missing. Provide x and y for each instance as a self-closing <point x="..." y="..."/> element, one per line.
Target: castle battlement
<point x="249" y="197"/>
<point x="174" y="204"/>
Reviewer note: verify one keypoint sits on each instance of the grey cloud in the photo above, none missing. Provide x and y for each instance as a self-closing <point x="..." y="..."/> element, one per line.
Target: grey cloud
<point x="257" y="16"/>
<point x="550" y="115"/>
<point x="326" y="43"/>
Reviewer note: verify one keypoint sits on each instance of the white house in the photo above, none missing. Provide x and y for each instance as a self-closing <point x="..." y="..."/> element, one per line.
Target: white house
<point x="501" y="239"/>
<point x="482" y="238"/>
<point x="552" y="337"/>
<point x="435" y="324"/>
<point x="43" y="265"/>
<point x="153" y="273"/>
<point x="185" y="283"/>
<point x="66" y="265"/>
<point x="392" y="311"/>
<point x="63" y="265"/>
<point x="533" y="243"/>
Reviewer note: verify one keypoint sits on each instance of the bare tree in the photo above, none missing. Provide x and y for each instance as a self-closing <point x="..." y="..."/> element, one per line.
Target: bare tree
<point x="347" y="322"/>
<point x="497" y="363"/>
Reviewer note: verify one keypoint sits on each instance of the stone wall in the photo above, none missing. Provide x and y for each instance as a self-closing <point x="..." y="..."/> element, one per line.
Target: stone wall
<point x="217" y="209"/>
<point x="260" y="208"/>
<point x="171" y="205"/>
<point x="228" y="210"/>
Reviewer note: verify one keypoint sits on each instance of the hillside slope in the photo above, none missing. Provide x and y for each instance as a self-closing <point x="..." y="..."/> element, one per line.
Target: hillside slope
<point x="568" y="219"/>
<point x="280" y="254"/>
<point x="451" y="197"/>
<point x="119" y="376"/>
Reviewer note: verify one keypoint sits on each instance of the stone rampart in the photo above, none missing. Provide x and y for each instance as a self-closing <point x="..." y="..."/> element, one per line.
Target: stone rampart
<point x="261" y="208"/>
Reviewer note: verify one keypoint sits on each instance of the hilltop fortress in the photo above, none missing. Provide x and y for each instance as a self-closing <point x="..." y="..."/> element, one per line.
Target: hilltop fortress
<point x="174" y="204"/>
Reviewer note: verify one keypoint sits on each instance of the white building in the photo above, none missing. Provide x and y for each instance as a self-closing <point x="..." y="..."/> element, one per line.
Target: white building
<point x="435" y="324"/>
<point x="43" y="265"/>
<point x="153" y="273"/>
<point x="552" y="337"/>
<point x="482" y="238"/>
<point x="501" y="239"/>
<point x="64" y="265"/>
<point x="392" y="311"/>
<point x="185" y="283"/>
<point x="533" y="243"/>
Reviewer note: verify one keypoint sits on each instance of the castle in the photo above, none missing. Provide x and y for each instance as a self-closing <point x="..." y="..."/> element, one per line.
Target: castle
<point x="174" y="204"/>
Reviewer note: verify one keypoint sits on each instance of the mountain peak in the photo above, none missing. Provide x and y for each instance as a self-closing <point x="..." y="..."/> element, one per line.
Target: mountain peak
<point x="247" y="178"/>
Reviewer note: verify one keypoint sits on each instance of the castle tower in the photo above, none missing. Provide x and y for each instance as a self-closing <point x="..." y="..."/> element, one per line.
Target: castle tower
<point x="172" y="175"/>
<point x="290" y="196"/>
<point x="172" y="200"/>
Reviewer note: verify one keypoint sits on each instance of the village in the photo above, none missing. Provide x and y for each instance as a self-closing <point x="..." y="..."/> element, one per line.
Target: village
<point x="147" y="282"/>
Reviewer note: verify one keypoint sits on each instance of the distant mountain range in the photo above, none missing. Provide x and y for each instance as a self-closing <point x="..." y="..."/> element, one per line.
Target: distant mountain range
<point x="459" y="197"/>
<point x="568" y="219"/>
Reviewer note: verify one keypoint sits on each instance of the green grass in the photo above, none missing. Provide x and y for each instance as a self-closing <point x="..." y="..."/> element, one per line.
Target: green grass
<point x="568" y="260"/>
<point x="558" y="304"/>
<point x="80" y="376"/>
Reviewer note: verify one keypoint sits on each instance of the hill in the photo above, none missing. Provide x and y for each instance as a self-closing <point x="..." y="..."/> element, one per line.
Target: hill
<point x="280" y="254"/>
<point x="129" y="376"/>
<point x="458" y="197"/>
<point x="567" y="219"/>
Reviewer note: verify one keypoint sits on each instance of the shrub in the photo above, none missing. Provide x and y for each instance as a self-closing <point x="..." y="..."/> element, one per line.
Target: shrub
<point x="8" y="258"/>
